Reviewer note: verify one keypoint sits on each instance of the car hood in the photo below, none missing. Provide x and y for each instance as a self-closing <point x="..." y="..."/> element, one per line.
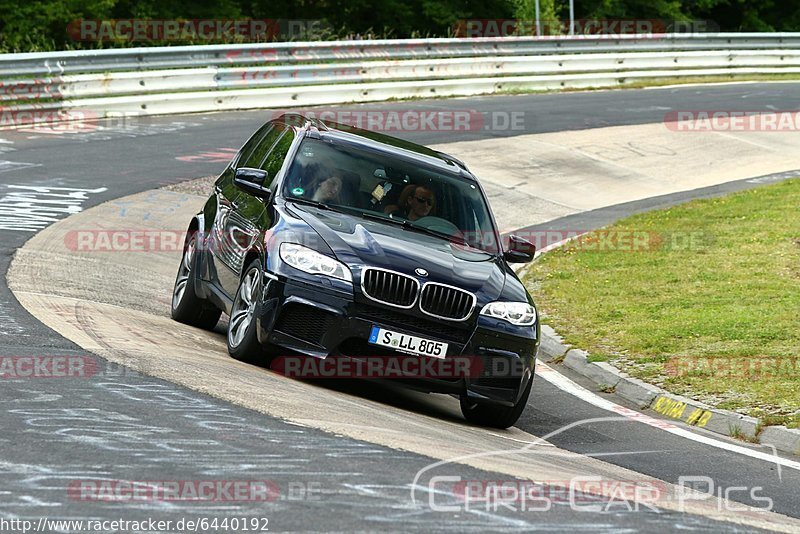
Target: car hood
<point x="360" y="242"/>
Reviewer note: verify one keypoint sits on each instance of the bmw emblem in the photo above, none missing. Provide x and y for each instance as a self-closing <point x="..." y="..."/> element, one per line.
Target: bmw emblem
<point x="421" y="272"/>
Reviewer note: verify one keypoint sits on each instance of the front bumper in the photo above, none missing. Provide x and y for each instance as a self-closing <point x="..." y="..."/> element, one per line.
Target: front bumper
<point x="495" y="359"/>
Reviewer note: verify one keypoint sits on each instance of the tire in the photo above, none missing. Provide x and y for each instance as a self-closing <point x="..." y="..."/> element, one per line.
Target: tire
<point x="242" y="336"/>
<point x="493" y="415"/>
<point x="187" y="307"/>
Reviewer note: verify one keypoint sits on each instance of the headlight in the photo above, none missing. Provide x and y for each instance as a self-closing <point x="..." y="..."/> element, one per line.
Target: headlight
<point x="518" y="313"/>
<point x="312" y="262"/>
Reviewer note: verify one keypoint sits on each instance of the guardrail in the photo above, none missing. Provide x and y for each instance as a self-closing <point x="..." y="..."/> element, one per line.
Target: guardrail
<point x="225" y="77"/>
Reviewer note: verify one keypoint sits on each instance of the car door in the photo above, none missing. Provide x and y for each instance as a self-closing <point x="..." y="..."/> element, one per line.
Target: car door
<point x="242" y="219"/>
<point x="252" y="208"/>
<point x="225" y="259"/>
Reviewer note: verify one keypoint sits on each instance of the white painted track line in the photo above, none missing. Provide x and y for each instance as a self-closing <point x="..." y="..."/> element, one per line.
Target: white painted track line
<point x="568" y="386"/>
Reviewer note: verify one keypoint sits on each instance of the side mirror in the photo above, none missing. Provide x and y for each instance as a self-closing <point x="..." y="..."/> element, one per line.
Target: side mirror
<point x="519" y="250"/>
<point x="252" y="181"/>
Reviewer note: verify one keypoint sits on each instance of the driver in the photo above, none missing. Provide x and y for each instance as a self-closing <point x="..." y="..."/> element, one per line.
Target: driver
<point x="418" y="203"/>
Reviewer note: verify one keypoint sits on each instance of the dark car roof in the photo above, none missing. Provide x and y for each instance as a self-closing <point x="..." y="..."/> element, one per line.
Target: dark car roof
<point x="378" y="141"/>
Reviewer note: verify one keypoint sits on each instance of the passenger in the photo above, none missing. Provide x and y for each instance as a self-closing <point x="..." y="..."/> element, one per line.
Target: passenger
<point x="327" y="189"/>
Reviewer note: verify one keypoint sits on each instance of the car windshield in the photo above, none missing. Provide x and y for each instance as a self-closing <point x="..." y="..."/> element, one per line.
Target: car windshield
<point x="392" y="190"/>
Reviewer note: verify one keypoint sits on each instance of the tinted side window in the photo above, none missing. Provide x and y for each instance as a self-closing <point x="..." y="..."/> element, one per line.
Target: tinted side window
<point x="256" y="157"/>
<point x="274" y="160"/>
<point x="252" y="144"/>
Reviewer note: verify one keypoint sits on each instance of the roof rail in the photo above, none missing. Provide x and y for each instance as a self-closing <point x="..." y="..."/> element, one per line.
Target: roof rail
<point x="311" y="130"/>
<point x="291" y="118"/>
<point x="453" y="160"/>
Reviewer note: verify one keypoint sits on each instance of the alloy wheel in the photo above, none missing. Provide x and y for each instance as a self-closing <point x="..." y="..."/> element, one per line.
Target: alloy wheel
<point x="244" y="307"/>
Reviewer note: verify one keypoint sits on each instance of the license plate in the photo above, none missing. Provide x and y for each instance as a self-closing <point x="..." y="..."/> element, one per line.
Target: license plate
<point x="405" y="343"/>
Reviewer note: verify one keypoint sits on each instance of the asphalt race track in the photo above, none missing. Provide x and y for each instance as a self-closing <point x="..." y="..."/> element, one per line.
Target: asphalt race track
<point x="337" y="457"/>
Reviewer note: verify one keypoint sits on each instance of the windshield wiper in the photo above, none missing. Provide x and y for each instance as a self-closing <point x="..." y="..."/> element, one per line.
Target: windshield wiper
<point x="450" y="237"/>
<point x="308" y="201"/>
<point x="411" y="226"/>
<point x="381" y="218"/>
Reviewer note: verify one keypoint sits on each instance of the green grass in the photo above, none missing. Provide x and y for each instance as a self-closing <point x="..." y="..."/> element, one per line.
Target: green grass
<point x="657" y="82"/>
<point x="716" y="288"/>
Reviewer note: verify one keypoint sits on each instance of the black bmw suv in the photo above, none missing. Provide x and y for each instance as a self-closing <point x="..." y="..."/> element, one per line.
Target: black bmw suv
<point x="332" y="243"/>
